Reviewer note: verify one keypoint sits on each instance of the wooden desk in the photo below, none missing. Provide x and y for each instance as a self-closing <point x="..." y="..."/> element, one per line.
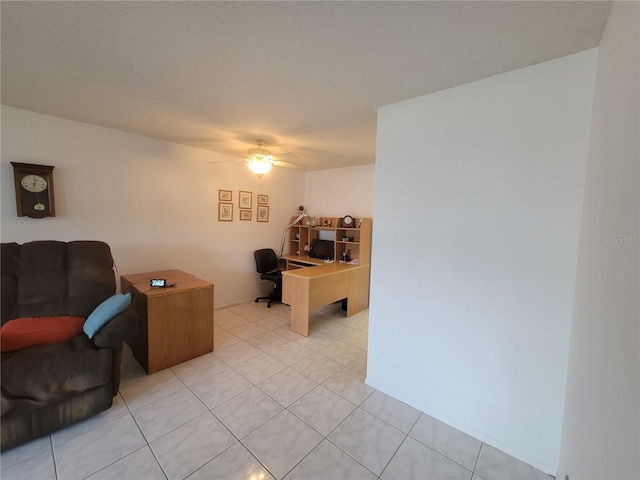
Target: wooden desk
<point x="306" y="289"/>
<point x="176" y="322"/>
<point x="293" y="261"/>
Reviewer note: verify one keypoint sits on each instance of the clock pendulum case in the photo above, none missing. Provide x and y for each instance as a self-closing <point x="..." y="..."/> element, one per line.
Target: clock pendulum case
<point x="34" y="190"/>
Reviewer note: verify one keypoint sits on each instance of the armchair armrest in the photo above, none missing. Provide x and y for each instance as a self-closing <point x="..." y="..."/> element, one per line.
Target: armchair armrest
<point x="117" y="330"/>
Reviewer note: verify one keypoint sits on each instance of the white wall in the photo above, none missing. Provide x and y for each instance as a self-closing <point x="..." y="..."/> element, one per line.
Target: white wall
<point x="478" y="197"/>
<point x="154" y="202"/>
<point x="602" y="424"/>
<point x="340" y="191"/>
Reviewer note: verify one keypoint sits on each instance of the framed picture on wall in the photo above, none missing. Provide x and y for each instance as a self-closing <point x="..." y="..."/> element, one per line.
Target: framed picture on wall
<point x="263" y="213"/>
<point x="225" y="212"/>
<point x="224" y="195"/>
<point x="263" y="199"/>
<point x="245" y="214"/>
<point x="245" y="199"/>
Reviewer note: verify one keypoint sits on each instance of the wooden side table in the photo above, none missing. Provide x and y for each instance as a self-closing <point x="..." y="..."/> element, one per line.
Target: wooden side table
<point x="176" y="322"/>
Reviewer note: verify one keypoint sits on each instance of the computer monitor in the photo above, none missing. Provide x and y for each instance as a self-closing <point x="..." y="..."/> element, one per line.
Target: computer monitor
<point x="322" y="249"/>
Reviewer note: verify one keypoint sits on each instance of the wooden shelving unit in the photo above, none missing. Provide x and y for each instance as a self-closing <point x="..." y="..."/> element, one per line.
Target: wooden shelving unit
<point x="355" y="241"/>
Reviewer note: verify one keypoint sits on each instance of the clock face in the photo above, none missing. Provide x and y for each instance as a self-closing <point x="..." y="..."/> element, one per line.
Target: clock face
<point x="33" y="183"/>
<point x="347" y="221"/>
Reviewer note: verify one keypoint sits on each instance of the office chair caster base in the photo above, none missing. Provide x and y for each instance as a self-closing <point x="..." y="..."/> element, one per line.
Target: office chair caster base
<point x="270" y="299"/>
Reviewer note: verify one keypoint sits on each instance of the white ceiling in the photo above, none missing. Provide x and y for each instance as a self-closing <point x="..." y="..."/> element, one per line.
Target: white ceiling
<point x="306" y="76"/>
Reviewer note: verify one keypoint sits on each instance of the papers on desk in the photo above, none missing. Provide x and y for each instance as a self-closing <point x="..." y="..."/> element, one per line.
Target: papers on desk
<point x="355" y="261"/>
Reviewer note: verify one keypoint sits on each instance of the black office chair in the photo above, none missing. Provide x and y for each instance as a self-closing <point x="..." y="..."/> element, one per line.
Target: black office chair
<point x="267" y="267"/>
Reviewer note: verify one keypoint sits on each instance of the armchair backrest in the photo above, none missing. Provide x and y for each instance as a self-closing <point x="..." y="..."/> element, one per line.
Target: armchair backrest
<point x="51" y="278"/>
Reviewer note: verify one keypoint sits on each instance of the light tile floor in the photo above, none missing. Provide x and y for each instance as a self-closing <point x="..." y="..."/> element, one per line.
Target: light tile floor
<point x="266" y="404"/>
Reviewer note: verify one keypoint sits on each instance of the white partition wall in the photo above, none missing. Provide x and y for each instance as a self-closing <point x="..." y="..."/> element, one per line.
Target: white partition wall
<point x="601" y="435"/>
<point x="478" y="204"/>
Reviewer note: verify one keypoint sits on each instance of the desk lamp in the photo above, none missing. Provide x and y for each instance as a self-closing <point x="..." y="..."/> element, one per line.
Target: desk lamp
<point x="284" y="232"/>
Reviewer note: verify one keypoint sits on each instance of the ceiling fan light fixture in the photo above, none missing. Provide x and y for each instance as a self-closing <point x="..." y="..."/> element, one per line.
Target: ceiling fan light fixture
<point x="259" y="164"/>
<point x="259" y="152"/>
<point x="260" y="159"/>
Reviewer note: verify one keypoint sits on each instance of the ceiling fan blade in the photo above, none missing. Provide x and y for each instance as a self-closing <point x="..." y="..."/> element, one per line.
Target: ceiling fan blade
<point x="283" y="159"/>
<point x="227" y="161"/>
<point x="276" y="163"/>
<point x="288" y="157"/>
<point x="281" y="163"/>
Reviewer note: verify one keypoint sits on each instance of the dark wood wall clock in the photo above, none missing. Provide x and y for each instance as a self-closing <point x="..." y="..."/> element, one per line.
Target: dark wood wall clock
<point x="34" y="190"/>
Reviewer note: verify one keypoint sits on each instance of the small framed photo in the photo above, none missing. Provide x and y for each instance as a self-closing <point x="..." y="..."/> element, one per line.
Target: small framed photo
<point x="245" y="199"/>
<point x="245" y="214"/>
<point x="224" y="195"/>
<point x="263" y="199"/>
<point x="263" y="213"/>
<point x="225" y="212"/>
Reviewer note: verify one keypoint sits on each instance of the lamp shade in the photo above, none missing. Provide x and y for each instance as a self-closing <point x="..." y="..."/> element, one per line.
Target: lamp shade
<point x="259" y="166"/>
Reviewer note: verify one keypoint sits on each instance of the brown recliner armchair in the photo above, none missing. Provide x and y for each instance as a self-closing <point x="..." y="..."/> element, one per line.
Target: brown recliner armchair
<point x="50" y="386"/>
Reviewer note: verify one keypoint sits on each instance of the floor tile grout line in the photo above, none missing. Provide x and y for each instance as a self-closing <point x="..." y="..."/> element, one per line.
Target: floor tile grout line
<point x="237" y="440"/>
<point x="56" y="469"/>
<point x="51" y="435"/>
<point x="338" y="393"/>
<point x="435" y="450"/>
<point x="287" y="407"/>
<point x="475" y="465"/>
<point x="164" y="472"/>
<point x="394" y="454"/>
<point x="44" y="449"/>
<point x="53" y="457"/>
<point x="213" y="458"/>
<point x="326" y="437"/>
<point x="257" y="459"/>
<point x="350" y="456"/>
<point x="128" y="455"/>
<point x="208" y="410"/>
<point x="253" y="429"/>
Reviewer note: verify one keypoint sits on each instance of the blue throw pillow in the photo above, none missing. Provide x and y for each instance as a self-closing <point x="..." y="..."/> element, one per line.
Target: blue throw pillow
<point x="104" y="312"/>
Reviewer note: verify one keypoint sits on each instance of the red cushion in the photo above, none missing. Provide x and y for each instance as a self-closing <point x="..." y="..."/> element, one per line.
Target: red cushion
<point x="27" y="332"/>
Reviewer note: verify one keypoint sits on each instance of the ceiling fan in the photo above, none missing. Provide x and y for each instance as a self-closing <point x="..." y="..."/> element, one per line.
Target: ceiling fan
<point x="260" y="160"/>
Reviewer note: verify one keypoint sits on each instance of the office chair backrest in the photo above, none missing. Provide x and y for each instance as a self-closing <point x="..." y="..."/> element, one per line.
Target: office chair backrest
<point x="266" y="260"/>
